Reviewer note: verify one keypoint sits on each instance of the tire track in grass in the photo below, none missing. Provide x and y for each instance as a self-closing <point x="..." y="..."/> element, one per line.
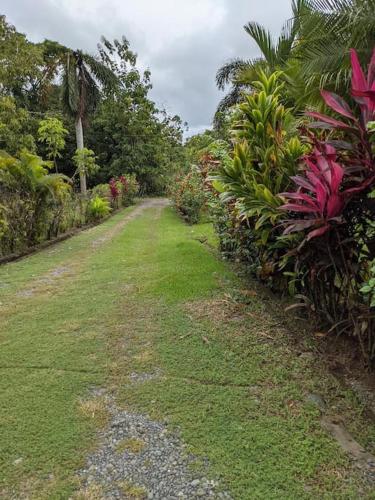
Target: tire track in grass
<point x="55" y="279"/>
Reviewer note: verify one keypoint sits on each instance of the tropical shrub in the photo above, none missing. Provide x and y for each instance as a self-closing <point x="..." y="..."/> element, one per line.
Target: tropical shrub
<point x="52" y="133"/>
<point x="265" y="156"/>
<point x="102" y="190"/>
<point x="33" y="201"/>
<point x="98" y="208"/>
<point x="334" y="216"/>
<point x="188" y="196"/>
<point x="85" y="162"/>
<point x="236" y="240"/>
<point x="129" y="188"/>
<point x="123" y="190"/>
<point x="302" y="206"/>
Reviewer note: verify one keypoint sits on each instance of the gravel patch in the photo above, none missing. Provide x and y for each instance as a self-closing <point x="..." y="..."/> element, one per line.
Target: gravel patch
<point x="158" y="467"/>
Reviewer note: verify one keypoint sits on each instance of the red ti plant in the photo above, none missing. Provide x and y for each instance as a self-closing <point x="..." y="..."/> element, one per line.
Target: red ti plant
<point x="331" y="200"/>
<point x="318" y="197"/>
<point x="362" y="91"/>
<point x="330" y="183"/>
<point x="354" y="128"/>
<point x="114" y="189"/>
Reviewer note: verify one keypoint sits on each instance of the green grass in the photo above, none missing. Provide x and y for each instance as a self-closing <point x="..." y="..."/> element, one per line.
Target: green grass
<point x="157" y="296"/>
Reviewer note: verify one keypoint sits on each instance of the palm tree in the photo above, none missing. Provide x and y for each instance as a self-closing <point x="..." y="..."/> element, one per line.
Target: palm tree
<point x="239" y="73"/>
<point x="83" y="77"/>
<point x="327" y="32"/>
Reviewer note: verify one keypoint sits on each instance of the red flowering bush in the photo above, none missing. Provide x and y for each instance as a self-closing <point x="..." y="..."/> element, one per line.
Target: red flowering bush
<point x="123" y="190"/>
<point x="114" y="189"/>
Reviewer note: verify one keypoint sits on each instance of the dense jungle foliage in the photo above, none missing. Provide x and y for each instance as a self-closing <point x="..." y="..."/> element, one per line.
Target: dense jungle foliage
<point x="288" y="172"/>
<point x="70" y="121"/>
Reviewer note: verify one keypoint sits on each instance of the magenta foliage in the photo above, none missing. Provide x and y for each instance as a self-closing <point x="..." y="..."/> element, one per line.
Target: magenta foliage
<point x="363" y="92"/>
<point x="114" y="189"/>
<point x="318" y="196"/>
<point x="328" y="184"/>
<point x="363" y="89"/>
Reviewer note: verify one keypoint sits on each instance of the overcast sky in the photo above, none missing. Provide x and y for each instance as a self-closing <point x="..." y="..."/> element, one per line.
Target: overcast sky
<point x="182" y="42"/>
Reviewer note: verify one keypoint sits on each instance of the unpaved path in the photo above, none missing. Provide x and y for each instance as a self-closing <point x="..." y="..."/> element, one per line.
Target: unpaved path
<point x="134" y="364"/>
<point x="51" y="280"/>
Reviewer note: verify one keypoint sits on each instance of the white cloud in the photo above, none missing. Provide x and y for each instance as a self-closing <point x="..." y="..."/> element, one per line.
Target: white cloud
<point x="182" y="42"/>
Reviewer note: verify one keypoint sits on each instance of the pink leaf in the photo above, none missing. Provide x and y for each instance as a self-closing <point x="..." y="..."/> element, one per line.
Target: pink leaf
<point x="327" y="119"/>
<point x="335" y="205"/>
<point x="301" y="197"/>
<point x="318" y="232"/>
<point x="358" y="78"/>
<point x="294" y="207"/>
<point x="337" y="103"/>
<point x="301" y="181"/>
<point x="321" y="197"/>
<point x="337" y="174"/>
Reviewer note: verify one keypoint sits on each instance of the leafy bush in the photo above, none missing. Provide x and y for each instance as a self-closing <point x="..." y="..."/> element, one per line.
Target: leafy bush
<point x="129" y="188"/>
<point x="265" y="156"/>
<point x="318" y="240"/>
<point x="123" y="190"/>
<point x="52" y="133"/>
<point x="334" y="215"/>
<point x="33" y="202"/>
<point x="98" y="208"/>
<point x="188" y="196"/>
<point x="102" y="190"/>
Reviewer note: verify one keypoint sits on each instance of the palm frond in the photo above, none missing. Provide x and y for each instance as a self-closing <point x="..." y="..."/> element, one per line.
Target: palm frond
<point x="332" y="28"/>
<point x="234" y="96"/>
<point x="229" y="71"/>
<point x="102" y="73"/>
<point x="262" y="37"/>
<point x="69" y="88"/>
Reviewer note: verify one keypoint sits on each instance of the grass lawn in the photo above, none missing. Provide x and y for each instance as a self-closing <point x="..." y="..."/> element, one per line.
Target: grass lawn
<point x="90" y="311"/>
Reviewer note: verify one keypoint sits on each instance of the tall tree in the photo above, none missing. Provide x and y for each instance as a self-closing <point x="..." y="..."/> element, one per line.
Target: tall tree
<point x="83" y="77"/>
<point x="144" y="141"/>
<point x="21" y="62"/>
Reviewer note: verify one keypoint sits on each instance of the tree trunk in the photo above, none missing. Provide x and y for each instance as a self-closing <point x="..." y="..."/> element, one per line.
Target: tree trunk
<point x="79" y="137"/>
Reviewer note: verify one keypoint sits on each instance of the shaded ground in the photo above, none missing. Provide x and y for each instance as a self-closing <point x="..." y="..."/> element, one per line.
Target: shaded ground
<point x="134" y="339"/>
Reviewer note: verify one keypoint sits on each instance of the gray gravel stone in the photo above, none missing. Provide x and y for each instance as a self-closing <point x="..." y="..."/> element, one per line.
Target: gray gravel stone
<point x="316" y="400"/>
<point x="161" y="467"/>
